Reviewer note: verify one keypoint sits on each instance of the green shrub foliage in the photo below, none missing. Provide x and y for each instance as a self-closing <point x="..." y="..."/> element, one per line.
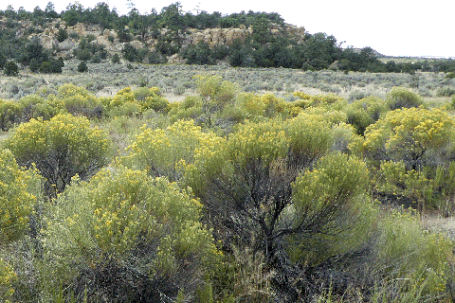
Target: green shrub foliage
<point x="16" y="200"/>
<point x="245" y="182"/>
<point x="335" y="188"/>
<point x="400" y="97"/>
<point x="78" y="101"/>
<point x="82" y="67"/>
<point x="11" y="68"/>
<point x="249" y="198"/>
<point x="10" y="113"/>
<point x="61" y="148"/>
<point x="164" y="152"/>
<point x="129" y="237"/>
<point x="405" y="250"/>
<point x="62" y="35"/>
<point x="416" y="136"/>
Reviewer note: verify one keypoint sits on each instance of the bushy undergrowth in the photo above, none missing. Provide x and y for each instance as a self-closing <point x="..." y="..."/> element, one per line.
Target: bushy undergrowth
<point x="16" y="200"/>
<point x="59" y="148"/>
<point x="226" y="196"/>
<point x="129" y="236"/>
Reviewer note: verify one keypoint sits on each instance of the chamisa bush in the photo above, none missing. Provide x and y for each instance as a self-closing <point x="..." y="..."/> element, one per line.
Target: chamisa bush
<point x="400" y="97"/>
<point x="409" y="149"/>
<point x="256" y="197"/>
<point x="125" y="236"/>
<point x="78" y="101"/>
<point x="164" y="152"/>
<point x="60" y="148"/>
<point x="17" y="199"/>
<point x="134" y="102"/>
<point x="250" y="198"/>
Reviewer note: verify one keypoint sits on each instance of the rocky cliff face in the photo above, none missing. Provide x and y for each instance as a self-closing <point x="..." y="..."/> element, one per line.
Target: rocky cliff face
<point x="211" y="36"/>
<point x="217" y="36"/>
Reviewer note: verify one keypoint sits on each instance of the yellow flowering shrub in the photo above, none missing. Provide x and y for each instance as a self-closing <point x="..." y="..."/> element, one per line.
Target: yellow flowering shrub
<point x="160" y="152"/>
<point x="364" y="112"/>
<point x="302" y="95"/>
<point x="332" y="116"/>
<point x="216" y="90"/>
<point x="335" y="179"/>
<point x="245" y="183"/>
<point x="407" y="148"/>
<point x="28" y="107"/>
<point x="79" y="101"/>
<point x="239" y="180"/>
<point x="189" y="108"/>
<point x="219" y="103"/>
<point x="296" y="142"/>
<point x="16" y="202"/>
<point x="267" y="105"/>
<point x="142" y="98"/>
<point x="71" y="90"/>
<point x="209" y="158"/>
<point x="251" y="103"/>
<point x="416" y="136"/>
<point x="265" y="142"/>
<point x="150" y="98"/>
<point x="310" y="137"/>
<point x="60" y="148"/>
<point x="191" y="101"/>
<point x="35" y="106"/>
<point x="332" y="199"/>
<point x="397" y="181"/>
<point x="125" y="224"/>
<point x="10" y="114"/>
<point x="330" y="100"/>
<point x="216" y="94"/>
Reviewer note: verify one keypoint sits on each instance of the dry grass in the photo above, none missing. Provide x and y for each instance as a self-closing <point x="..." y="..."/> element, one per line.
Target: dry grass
<point x="176" y="81"/>
<point x="439" y="224"/>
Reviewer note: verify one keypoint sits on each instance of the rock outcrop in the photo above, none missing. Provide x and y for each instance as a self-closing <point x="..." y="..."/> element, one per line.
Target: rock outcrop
<point x="83" y="29"/>
<point x="48" y="41"/>
<point x="175" y="59"/>
<point x="217" y="36"/>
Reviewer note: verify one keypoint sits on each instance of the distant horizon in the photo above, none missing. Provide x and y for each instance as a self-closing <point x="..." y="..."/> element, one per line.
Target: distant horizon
<point x="393" y="29"/>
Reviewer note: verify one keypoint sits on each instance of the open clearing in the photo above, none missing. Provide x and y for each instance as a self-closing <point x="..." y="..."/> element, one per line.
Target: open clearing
<point x="176" y="81"/>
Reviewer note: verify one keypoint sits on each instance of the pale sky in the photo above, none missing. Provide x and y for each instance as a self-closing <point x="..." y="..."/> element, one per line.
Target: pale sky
<point x="392" y="27"/>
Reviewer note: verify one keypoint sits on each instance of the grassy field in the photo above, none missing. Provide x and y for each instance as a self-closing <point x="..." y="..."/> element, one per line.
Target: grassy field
<point x="176" y="81"/>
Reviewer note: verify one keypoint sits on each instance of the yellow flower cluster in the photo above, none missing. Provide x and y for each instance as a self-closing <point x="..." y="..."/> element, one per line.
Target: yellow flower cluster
<point x="408" y="131"/>
<point x="263" y="141"/>
<point x="161" y="152"/>
<point x="119" y="209"/>
<point x="64" y="138"/>
<point x="15" y="200"/>
<point x="144" y="98"/>
<point x="306" y="101"/>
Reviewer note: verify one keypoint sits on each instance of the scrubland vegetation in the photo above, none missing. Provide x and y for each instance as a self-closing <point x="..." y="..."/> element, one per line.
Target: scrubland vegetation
<point x="175" y="81"/>
<point x="226" y="196"/>
<point x="225" y="179"/>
